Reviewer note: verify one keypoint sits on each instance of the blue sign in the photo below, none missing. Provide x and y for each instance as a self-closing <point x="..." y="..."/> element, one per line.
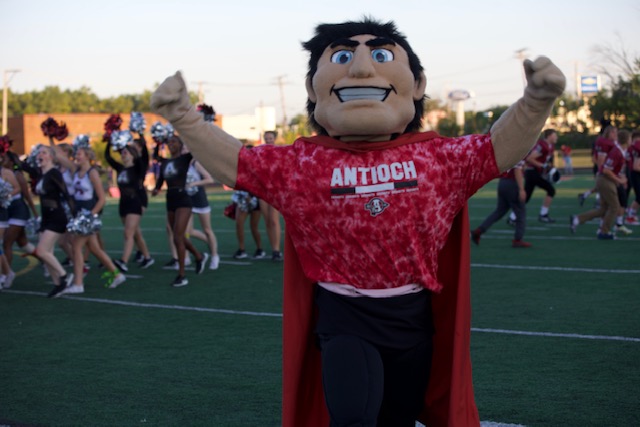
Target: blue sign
<point x="589" y="84"/>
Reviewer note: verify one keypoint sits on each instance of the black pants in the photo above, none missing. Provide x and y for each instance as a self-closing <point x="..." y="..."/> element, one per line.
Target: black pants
<point x="508" y="198"/>
<point x="533" y="179"/>
<point x="376" y="358"/>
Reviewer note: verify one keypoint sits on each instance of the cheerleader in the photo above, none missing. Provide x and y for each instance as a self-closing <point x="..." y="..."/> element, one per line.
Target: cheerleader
<point x="197" y="178"/>
<point x="53" y="194"/>
<point x="131" y="174"/>
<point x="174" y="172"/>
<point x="88" y="195"/>
<point x="8" y="189"/>
<point x="19" y="214"/>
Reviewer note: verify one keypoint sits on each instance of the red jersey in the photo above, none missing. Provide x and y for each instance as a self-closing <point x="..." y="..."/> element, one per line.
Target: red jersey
<point x="615" y="160"/>
<point x="634" y="153"/>
<point x="375" y="219"/>
<point x="511" y="173"/>
<point x="543" y="152"/>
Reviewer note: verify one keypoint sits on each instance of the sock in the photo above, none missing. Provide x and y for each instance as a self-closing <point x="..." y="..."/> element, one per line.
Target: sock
<point x="512" y="216"/>
<point x="544" y="210"/>
<point x="587" y="193"/>
<point x="619" y="221"/>
<point x="576" y="221"/>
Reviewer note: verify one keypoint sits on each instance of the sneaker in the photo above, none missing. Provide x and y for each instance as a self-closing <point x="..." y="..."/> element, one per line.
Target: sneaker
<point x="172" y="264"/>
<point x="67" y="280"/>
<point x="85" y="270"/>
<point x="139" y="257"/>
<point x="581" y="199"/>
<point x="147" y="262"/>
<point x="572" y="224"/>
<point x="276" y="256"/>
<point x="475" y="236"/>
<point x="9" y="280"/>
<point x="606" y="236"/>
<point x="117" y="281"/>
<point x="215" y="262"/>
<point x="511" y="222"/>
<point x="3" y="278"/>
<point x="240" y="254"/>
<point x="259" y="254"/>
<point x="201" y="264"/>
<point x="73" y="289"/>
<point x="520" y="244"/>
<point x="180" y="281"/>
<point x="546" y="218"/>
<point x="122" y="266"/>
<point x="632" y="220"/>
<point x="56" y="291"/>
<point x="67" y="263"/>
<point x="624" y="230"/>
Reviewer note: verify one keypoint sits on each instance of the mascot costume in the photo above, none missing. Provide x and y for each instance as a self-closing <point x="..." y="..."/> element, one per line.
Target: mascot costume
<point x="376" y="293"/>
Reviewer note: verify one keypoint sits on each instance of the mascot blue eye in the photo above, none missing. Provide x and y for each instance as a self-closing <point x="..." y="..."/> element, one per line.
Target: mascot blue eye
<point x="382" y="55"/>
<point x="342" y="57"/>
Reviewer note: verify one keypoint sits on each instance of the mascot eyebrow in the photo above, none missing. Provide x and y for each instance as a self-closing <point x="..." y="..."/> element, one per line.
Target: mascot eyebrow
<point x="377" y="42"/>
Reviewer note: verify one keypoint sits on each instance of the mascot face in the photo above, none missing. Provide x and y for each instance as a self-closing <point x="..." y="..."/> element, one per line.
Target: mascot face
<point x="364" y="89"/>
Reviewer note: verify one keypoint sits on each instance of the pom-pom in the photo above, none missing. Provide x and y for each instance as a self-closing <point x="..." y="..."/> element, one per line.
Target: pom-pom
<point x="192" y="176"/>
<point x="32" y="158"/>
<point x="5" y="193"/>
<point x="5" y="143"/>
<point x="245" y="201"/>
<point x="81" y="141"/>
<point x="61" y="132"/>
<point x="160" y="133"/>
<point x="32" y="227"/>
<point x="120" y="139"/>
<point x="112" y="124"/>
<point x="137" y="123"/>
<point x="49" y="127"/>
<point x="85" y="223"/>
<point x="208" y="112"/>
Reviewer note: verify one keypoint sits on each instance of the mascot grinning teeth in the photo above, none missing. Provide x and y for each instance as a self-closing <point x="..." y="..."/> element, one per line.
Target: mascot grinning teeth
<point x="380" y="336"/>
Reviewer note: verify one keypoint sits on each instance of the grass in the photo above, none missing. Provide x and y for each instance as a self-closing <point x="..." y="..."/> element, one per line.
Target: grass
<point x="209" y="354"/>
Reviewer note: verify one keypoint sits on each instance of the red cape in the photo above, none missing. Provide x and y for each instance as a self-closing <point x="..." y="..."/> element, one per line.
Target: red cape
<point x="449" y="399"/>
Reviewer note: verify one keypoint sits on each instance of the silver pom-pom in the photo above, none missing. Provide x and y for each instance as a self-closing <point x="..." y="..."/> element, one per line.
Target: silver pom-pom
<point x="160" y="133"/>
<point x="120" y="139"/>
<point x="137" y="123"/>
<point x="32" y="227"/>
<point x="81" y="141"/>
<point x="31" y="159"/>
<point x="192" y="176"/>
<point x="5" y="193"/>
<point x="245" y="201"/>
<point x="85" y="223"/>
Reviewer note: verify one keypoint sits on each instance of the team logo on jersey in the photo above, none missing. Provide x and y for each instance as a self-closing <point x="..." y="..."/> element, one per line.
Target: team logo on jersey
<point x="170" y="170"/>
<point x="376" y="206"/>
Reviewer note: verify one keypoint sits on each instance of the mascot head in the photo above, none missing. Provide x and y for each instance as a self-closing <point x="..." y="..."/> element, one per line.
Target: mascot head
<point x="364" y="81"/>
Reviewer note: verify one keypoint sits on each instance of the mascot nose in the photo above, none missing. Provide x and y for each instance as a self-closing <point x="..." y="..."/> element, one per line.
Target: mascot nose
<point x="362" y="64"/>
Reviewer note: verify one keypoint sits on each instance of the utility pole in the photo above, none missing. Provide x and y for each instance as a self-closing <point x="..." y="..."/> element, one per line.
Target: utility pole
<point x="284" y="110"/>
<point x="201" y="91"/>
<point x="521" y="54"/>
<point x="5" y="95"/>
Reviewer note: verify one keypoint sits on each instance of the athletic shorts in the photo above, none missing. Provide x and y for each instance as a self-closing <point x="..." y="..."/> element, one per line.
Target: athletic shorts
<point x="144" y="197"/>
<point x="18" y="212"/>
<point x="130" y="206"/>
<point x="4" y="218"/>
<point x="177" y="198"/>
<point x="54" y="220"/>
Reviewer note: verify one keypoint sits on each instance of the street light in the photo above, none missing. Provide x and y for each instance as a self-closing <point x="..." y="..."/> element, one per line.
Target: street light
<point x="8" y="75"/>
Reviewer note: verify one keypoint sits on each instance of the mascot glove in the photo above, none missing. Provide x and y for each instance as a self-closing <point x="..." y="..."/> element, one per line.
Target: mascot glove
<point x="171" y="99"/>
<point x="545" y="82"/>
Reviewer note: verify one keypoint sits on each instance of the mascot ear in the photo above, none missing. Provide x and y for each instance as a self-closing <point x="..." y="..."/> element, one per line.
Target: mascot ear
<point x="310" y="92"/>
<point x="420" y="87"/>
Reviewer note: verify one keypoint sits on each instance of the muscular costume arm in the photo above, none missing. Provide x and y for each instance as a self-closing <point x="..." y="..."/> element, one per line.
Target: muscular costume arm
<point x="518" y="128"/>
<point x="215" y="149"/>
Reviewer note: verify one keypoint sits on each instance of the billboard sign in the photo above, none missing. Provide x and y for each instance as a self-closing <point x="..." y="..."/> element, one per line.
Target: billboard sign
<point x="589" y="85"/>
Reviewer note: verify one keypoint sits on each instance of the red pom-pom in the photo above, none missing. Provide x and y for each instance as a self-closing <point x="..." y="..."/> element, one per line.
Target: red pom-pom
<point x="5" y="143"/>
<point x="49" y="127"/>
<point x="61" y="132"/>
<point x="113" y="123"/>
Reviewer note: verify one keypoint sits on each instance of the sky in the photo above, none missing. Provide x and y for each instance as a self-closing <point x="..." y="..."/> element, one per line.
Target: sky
<point x="246" y="54"/>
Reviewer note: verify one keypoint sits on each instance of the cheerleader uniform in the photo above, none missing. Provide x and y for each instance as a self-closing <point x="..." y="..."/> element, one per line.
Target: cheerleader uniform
<point x="129" y="183"/>
<point x="174" y="172"/>
<point x="144" y="160"/>
<point x="53" y="195"/>
<point x="198" y="194"/>
<point x="83" y="192"/>
<point x="4" y="213"/>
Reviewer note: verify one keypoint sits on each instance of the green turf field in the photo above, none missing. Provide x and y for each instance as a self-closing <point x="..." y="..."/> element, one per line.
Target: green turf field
<point x="555" y="342"/>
